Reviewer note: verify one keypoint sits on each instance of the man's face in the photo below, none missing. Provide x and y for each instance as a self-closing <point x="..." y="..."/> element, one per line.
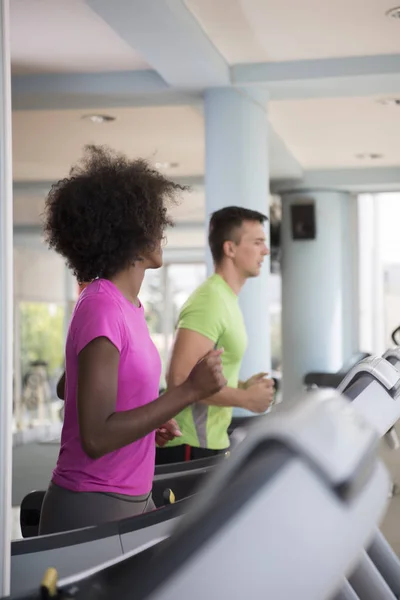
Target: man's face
<point x="250" y="249"/>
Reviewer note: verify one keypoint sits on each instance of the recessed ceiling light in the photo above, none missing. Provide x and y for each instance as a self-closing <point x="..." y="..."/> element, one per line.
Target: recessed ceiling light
<point x="394" y="13"/>
<point x="390" y="101"/>
<point x="166" y="165"/>
<point x="369" y="156"/>
<point x="99" y="118"/>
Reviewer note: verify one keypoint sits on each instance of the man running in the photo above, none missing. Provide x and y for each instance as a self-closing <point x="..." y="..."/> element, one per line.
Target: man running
<point x="210" y="318"/>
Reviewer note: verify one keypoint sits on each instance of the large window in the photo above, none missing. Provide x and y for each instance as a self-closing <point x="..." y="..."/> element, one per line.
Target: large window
<point x="163" y="294"/>
<point x="165" y="291"/>
<point x="41" y="335"/>
<point x="275" y="313"/>
<point x="39" y="358"/>
<point x="379" y="270"/>
<point x="40" y="328"/>
<point x="182" y="280"/>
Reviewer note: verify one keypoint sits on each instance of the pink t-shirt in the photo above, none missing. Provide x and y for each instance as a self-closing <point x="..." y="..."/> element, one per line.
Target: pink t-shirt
<point x="102" y="311"/>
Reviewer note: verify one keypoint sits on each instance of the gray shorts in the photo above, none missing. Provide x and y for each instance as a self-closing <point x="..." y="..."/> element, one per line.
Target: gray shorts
<point x="64" y="510"/>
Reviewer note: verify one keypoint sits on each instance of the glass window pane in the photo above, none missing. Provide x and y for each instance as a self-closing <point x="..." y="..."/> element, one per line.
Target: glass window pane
<point x="152" y="298"/>
<point x="183" y="279"/>
<point x="41" y="349"/>
<point x="163" y="293"/>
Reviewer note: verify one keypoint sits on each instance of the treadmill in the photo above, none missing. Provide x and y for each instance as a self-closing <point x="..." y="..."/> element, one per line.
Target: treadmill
<point x="244" y="535"/>
<point x="373" y="387"/>
<point x="71" y="551"/>
<point x="182" y="478"/>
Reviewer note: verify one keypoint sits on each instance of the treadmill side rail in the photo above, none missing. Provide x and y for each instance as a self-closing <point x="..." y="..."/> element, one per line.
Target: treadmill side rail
<point x="379" y="368"/>
<point x="322" y="426"/>
<point x="393" y="356"/>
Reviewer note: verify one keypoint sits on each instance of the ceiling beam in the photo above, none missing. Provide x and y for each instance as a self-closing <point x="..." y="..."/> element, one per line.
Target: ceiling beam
<point x="171" y="254"/>
<point x="42" y="188"/>
<point x="372" y="179"/>
<point x="89" y="91"/>
<point x="357" y="180"/>
<point x="36" y="231"/>
<point x="282" y="163"/>
<point x="353" y="76"/>
<point x="334" y="77"/>
<point x="167" y="35"/>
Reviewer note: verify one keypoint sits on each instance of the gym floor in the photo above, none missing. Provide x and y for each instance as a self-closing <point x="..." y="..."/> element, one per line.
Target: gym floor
<point x="33" y="464"/>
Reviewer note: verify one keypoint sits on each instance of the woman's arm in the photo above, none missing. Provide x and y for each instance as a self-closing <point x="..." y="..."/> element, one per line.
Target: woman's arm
<point x="102" y="429"/>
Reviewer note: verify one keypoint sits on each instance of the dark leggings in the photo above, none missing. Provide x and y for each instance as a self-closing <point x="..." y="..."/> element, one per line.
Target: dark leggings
<point x="64" y="510"/>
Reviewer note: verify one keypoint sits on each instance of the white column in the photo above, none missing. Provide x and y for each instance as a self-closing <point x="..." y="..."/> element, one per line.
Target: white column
<point x="17" y="366"/>
<point x="237" y="174"/>
<point x="6" y="301"/>
<point x="319" y="291"/>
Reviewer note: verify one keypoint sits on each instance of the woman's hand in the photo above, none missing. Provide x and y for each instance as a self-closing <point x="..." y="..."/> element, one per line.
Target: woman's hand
<point x="167" y="432"/>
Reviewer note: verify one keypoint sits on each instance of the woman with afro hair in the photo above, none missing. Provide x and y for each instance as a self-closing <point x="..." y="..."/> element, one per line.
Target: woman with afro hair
<point x="107" y="219"/>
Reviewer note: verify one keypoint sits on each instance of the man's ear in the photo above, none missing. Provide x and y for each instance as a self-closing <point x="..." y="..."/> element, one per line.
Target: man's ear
<point x="229" y="249"/>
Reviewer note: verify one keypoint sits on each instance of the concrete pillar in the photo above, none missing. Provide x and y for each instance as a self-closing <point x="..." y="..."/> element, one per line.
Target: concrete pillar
<point x="319" y="287"/>
<point x="6" y="300"/>
<point x="237" y="174"/>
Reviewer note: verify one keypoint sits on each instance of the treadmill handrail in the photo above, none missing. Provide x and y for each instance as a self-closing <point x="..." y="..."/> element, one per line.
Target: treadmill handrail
<point x="257" y="474"/>
<point x="392" y="353"/>
<point x="184" y="466"/>
<point x="379" y="368"/>
<point x="311" y="428"/>
<point x="97" y="532"/>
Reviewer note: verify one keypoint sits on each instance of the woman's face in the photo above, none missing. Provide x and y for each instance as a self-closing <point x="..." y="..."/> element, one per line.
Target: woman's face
<point x="154" y="259"/>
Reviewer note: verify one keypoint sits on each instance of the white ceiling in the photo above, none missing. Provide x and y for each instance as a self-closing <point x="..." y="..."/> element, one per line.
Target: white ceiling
<point x="68" y="36"/>
<point x="285" y="30"/>
<point x="329" y="133"/>
<point x="56" y="139"/>
<point x="58" y="36"/>
<point x="320" y="133"/>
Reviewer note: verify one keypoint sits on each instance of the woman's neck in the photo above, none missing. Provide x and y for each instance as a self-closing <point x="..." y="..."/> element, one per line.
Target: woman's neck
<point x="129" y="282"/>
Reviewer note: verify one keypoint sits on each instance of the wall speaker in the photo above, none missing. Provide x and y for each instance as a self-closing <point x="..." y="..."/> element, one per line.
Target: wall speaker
<point x="303" y="221"/>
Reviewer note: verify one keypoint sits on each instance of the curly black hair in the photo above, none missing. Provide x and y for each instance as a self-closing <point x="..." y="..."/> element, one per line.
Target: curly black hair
<point x="108" y="213"/>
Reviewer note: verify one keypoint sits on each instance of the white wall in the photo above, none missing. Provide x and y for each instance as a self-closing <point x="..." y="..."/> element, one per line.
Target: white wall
<point x="39" y="275"/>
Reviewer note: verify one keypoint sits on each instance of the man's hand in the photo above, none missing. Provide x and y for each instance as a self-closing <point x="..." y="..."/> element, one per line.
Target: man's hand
<point x="167" y="432"/>
<point x="260" y="395"/>
<point x="253" y="380"/>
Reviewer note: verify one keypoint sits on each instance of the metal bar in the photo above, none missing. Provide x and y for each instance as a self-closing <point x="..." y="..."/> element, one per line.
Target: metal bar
<point x="386" y="561"/>
<point x="368" y="583"/>
<point x="6" y="300"/>
<point x="346" y="592"/>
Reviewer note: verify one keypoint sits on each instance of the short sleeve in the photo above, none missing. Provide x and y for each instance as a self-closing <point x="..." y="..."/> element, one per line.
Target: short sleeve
<point x="203" y="313"/>
<point x="97" y="316"/>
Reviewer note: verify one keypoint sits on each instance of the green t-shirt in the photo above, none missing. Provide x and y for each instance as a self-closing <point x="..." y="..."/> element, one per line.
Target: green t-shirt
<point x="213" y="311"/>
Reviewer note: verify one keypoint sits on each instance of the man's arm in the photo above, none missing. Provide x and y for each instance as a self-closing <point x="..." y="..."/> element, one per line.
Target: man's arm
<point x="189" y="347"/>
